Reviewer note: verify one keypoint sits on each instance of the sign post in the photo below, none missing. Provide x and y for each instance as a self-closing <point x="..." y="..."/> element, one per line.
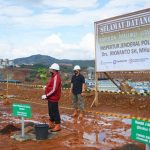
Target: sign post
<point x="147" y="147"/>
<point x="23" y="111"/>
<point x="22" y="126"/>
<point x="140" y="132"/>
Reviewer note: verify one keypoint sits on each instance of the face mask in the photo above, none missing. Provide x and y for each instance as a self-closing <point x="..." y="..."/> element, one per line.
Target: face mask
<point x="75" y="72"/>
<point x="51" y="73"/>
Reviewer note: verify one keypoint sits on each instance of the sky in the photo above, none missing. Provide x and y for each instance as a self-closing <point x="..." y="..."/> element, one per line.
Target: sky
<point x="63" y="29"/>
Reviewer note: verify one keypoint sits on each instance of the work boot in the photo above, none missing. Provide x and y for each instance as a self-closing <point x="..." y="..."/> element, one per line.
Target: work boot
<point x="75" y="113"/>
<point x="51" y="124"/>
<point x="81" y="115"/>
<point x="56" y="128"/>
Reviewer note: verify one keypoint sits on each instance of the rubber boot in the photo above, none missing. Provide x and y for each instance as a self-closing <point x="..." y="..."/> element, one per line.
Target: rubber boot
<point x="51" y="124"/>
<point x="75" y="113"/>
<point x="56" y="128"/>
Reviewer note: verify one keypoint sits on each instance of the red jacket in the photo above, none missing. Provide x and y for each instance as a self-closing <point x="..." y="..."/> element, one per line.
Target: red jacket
<point x="53" y="88"/>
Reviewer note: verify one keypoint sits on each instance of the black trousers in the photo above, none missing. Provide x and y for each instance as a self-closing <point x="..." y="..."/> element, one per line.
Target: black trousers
<point x="54" y="112"/>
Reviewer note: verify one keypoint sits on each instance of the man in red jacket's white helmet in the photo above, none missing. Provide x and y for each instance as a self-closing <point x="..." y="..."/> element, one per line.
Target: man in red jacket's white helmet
<point x="52" y="94"/>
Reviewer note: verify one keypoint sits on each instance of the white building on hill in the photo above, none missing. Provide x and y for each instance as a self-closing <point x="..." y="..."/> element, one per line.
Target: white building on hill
<point x="6" y="63"/>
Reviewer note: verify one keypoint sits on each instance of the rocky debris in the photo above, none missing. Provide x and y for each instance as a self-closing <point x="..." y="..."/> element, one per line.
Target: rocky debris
<point x="142" y="107"/>
<point x="44" y="119"/>
<point x="19" y="138"/>
<point x="2" y="96"/>
<point x="28" y="129"/>
<point x="30" y="136"/>
<point x="11" y="96"/>
<point x="125" y="87"/>
<point x="29" y="124"/>
<point x="132" y="101"/>
<point x="6" y="102"/>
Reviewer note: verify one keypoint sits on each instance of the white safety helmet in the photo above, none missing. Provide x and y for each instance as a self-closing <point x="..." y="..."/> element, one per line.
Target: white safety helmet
<point x="77" y="67"/>
<point x="54" y="67"/>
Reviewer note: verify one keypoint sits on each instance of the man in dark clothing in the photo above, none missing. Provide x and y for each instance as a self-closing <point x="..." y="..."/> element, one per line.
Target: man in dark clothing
<point x="77" y="90"/>
<point x="52" y="94"/>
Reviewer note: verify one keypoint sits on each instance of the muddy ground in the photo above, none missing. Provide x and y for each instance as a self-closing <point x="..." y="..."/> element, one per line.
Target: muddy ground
<point x="99" y="129"/>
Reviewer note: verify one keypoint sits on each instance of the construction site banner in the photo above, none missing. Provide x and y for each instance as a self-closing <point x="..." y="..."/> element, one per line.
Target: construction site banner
<point x="123" y="42"/>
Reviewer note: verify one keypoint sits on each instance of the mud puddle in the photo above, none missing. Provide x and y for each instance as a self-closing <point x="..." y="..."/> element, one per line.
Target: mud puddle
<point x="93" y="131"/>
<point x="97" y="131"/>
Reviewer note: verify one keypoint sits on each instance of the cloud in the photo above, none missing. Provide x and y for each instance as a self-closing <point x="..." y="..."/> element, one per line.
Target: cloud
<point x="14" y="11"/>
<point x="5" y="49"/>
<point x="87" y="44"/>
<point x="55" y="14"/>
<point x="71" y="4"/>
<point x="54" y="46"/>
<point x="117" y="7"/>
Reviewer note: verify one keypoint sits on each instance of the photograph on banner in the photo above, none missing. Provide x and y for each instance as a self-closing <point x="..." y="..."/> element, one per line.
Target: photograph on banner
<point x="123" y="42"/>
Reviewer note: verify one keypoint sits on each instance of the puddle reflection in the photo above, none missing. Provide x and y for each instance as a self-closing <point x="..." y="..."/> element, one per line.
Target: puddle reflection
<point x="95" y="138"/>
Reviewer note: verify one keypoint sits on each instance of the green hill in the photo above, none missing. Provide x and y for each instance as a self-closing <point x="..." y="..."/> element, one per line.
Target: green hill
<point x="48" y="60"/>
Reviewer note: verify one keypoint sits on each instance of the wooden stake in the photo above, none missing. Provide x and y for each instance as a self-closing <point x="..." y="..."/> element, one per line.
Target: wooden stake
<point x="95" y="101"/>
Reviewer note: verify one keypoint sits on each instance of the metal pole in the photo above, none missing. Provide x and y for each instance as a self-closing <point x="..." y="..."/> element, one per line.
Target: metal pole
<point x="22" y="126"/>
<point x="147" y="146"/>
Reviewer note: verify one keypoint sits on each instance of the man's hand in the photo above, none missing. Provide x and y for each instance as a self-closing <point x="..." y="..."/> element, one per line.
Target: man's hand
<point x="44" y="97"/>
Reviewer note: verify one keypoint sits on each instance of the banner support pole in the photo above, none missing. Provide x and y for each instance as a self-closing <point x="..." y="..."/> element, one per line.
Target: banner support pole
<point x="95" y="101"/>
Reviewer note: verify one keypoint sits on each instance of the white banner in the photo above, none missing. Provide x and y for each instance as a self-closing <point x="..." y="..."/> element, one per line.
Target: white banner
<point x="123" y="42"/>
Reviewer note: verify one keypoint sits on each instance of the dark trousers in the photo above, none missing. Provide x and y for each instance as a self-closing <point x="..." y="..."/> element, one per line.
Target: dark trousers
<point x="54" y="112"/>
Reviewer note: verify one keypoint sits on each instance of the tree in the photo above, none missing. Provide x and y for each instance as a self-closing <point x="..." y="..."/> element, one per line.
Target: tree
<point x="42" y="74"/>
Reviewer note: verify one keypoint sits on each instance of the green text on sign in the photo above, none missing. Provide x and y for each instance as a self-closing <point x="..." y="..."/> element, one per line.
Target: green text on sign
<point x="22" y="110"/>
<point x="140" y="131"/>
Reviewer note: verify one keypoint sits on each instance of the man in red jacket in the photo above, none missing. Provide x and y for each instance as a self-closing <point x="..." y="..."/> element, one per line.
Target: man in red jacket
<point x="52" y="94"/>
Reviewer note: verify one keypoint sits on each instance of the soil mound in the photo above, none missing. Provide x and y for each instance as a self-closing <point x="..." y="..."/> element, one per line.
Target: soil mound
<point x="8" y="129"/>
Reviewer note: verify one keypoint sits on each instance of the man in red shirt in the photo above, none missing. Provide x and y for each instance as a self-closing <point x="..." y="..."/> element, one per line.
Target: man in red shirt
<point x="52" y="94"/>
